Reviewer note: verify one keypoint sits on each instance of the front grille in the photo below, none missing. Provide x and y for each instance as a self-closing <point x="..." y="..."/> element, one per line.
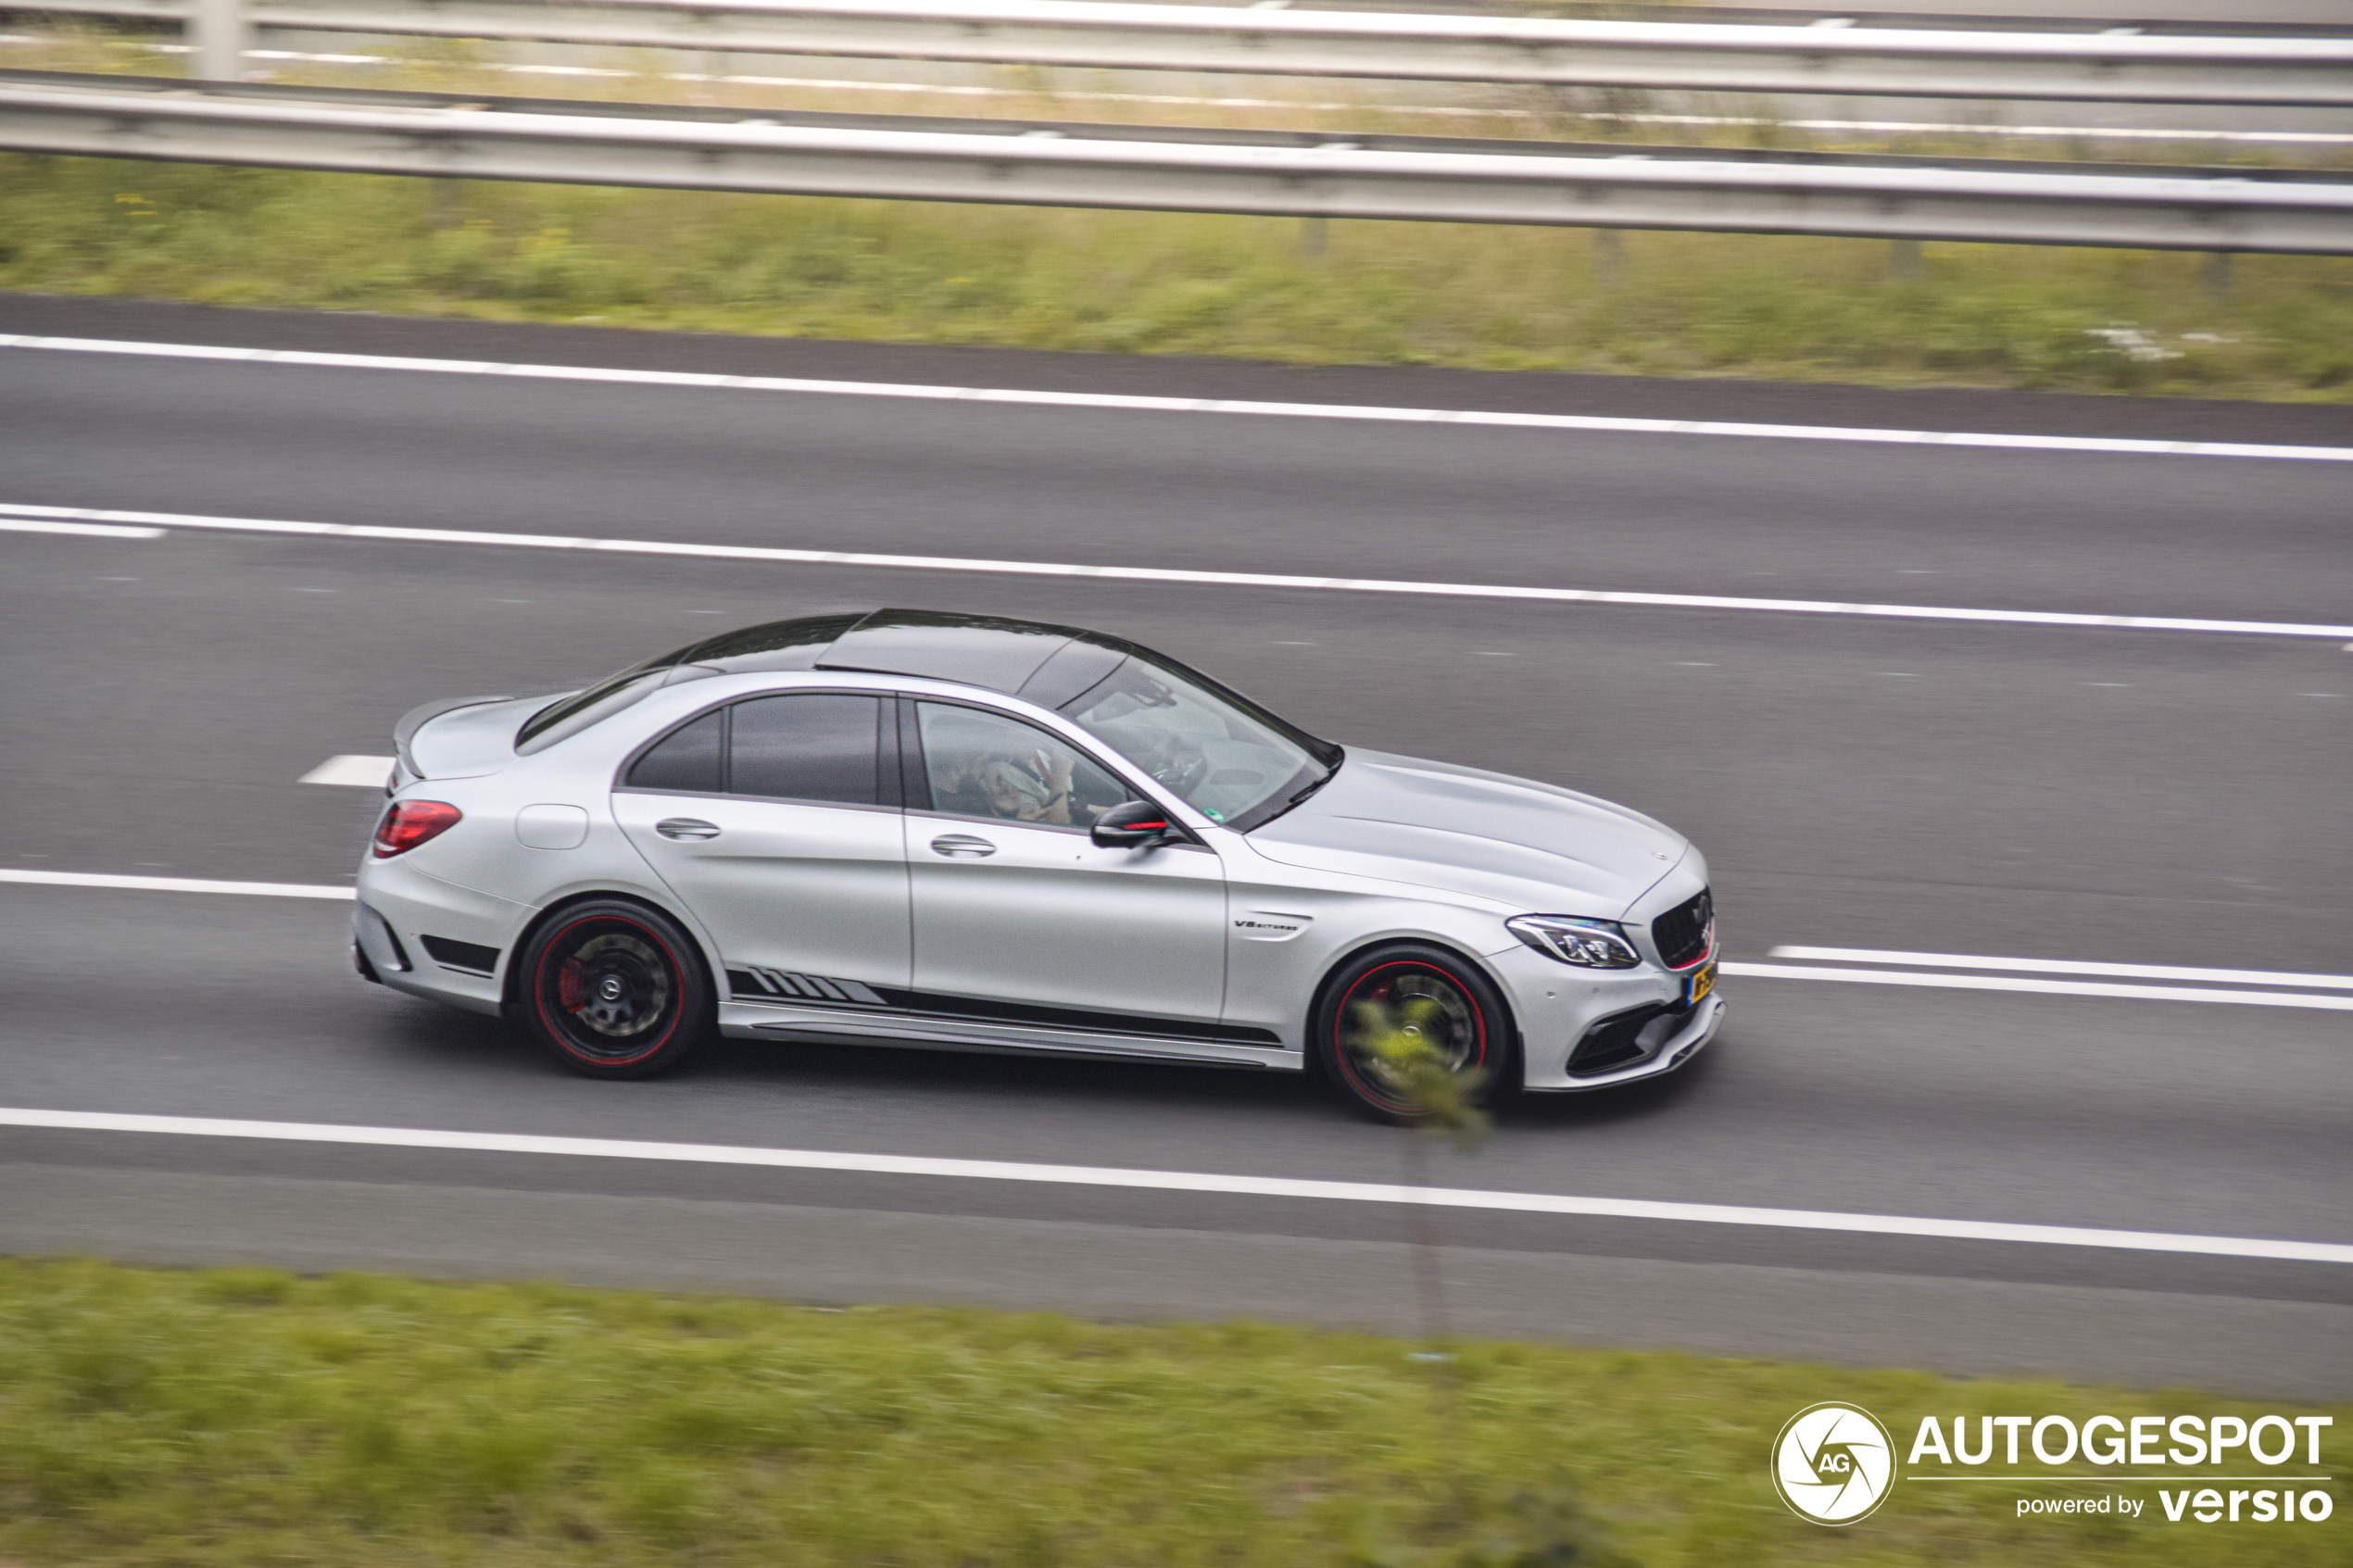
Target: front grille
<point x="1685" y="933"/>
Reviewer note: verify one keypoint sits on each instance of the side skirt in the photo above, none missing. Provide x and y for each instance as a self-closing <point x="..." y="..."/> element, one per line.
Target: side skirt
<point x="860" y="1026"/>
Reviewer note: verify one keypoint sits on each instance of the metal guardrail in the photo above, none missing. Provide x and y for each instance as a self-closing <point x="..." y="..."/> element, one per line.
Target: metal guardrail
<point x="590" y="143"/>
<point x="2105" y="67"/>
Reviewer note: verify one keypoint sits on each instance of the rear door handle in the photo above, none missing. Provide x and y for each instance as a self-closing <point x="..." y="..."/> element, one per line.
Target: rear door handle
<point x="686" y="827"/>
<point x="960" y="844"/>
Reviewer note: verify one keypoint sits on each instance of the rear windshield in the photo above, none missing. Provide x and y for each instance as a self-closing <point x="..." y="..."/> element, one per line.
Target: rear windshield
<point x="568" y="716"/>
<point x="779" y="645"/>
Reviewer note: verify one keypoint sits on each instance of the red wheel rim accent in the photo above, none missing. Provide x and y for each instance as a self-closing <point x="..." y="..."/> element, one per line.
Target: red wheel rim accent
<point x="558" y="1031"/>
<point x="1339" y="1018"/>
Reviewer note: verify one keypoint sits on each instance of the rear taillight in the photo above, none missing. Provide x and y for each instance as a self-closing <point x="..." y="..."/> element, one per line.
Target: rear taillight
<point x="407" y="824"/>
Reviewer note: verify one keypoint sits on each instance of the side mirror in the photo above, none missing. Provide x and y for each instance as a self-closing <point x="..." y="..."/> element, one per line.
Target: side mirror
<point x="1135" y="824"/>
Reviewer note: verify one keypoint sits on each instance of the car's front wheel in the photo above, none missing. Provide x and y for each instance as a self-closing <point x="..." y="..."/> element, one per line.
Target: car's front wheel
<point x="616" y="990"/>
<point x="1382" y="1007"/>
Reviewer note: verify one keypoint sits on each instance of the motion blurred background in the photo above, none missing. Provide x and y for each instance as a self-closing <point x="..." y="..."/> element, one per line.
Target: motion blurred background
<point x="1998" y="655"/>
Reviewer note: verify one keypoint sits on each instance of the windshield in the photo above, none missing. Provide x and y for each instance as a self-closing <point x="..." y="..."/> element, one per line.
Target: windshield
<point x="1229" y="759"/>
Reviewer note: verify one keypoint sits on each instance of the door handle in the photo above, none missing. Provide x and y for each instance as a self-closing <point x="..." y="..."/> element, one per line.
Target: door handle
<point x="958" y="843"/>
<point x="686" y="827"/>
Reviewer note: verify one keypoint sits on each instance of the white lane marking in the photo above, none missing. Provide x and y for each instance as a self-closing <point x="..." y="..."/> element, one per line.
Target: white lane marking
<point x="1185" y="404"/>
<point x="1184" y="1181"/>
<point x="364" y="772"/>
<point x="87" y="529"/>
<point x="1765" y="970"/>
<point x="2042" y="987"/>
<point x="2069" y="966"/>
<point x="1165" y="575"/>
<point x="175" y="885"/>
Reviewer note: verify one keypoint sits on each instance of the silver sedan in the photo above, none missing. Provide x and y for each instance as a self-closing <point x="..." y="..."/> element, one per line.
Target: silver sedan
<point x="913" y="828"/>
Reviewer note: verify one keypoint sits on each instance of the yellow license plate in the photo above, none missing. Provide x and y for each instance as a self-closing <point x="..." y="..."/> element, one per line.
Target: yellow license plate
<point x="1703" y="981"/>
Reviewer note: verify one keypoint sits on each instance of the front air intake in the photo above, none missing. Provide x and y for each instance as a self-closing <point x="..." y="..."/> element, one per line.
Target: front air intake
<point x="1625" y="1039"/>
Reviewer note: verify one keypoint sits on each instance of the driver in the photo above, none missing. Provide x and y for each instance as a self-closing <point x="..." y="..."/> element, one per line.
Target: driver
<point x="1030" y="788"/>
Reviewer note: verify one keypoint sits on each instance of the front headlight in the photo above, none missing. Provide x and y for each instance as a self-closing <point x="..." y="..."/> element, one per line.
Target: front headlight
<point x="1588" y="944"/>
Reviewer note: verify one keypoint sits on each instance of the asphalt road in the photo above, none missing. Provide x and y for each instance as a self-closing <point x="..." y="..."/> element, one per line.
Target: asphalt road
<point x="2086" y="795"/>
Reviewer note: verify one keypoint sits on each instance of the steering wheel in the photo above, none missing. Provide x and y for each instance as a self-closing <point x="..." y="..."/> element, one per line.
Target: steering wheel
<point x="1184" y="774"/>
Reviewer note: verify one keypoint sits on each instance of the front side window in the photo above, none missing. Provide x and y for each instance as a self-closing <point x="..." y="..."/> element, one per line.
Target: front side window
<point x="1230" y="763"/>
<point x="812" y="745"/>
<point x="982" y="764"/>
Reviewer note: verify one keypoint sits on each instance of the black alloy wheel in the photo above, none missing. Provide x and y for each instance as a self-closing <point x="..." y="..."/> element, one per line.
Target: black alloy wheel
<point x="1411" y="993"/>
<point x="616" y="990"/>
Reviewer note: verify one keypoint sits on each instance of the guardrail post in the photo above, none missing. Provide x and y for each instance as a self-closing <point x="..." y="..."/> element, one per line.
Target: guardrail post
<point x="2215" y="276"/>
<point x="220" y="33"/>
<point x="1315" y="237"/>
<point x="1609" y="258"/>
<point x="1904" y="262"/>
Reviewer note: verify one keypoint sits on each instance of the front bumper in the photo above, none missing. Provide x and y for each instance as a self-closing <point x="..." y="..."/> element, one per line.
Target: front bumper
<point x="1681" y="1035"/>
<point x="1631" y="1021"/>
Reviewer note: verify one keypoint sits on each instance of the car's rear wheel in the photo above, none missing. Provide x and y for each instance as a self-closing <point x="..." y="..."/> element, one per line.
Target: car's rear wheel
<point x="616" y="990"/>
<point x="1411" y="995"/>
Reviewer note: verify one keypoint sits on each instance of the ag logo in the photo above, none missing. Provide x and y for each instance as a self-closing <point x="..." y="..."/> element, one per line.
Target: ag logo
<point x="1833" y="1463"/>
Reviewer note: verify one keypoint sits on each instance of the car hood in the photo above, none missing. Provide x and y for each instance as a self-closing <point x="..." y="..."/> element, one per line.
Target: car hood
<point x="1534" y="846"/>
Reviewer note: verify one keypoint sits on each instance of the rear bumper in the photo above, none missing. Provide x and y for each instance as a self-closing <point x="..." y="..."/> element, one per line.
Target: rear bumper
<point x="434" y="938"/>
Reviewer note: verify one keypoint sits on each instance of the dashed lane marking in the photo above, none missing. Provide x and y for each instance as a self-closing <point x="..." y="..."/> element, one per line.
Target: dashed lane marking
<point x="85" y="530"/>
<point x="1590" y="422"/>
<point x="1187" y="1180"/>
<point x="174" y="884"/>
<point x="2069" y="966"/>
<point x="1168" y="574"/>
<point x="363" y="772"/>
<point x="2042" y="987"/>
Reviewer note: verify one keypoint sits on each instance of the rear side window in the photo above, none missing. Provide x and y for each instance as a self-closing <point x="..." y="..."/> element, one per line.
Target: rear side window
<point x="688" y="758"/>
<point x="818" y="745"/>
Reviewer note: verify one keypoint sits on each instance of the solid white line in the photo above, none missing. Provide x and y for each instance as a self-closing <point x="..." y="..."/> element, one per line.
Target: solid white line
<point x="1165" y="575"/>
<point x="1762" y="971"/>
<point x="90" y="530"/>
<point x="1186" y="405"/>
<point x="2042" y="987"/>
<point x="2062" y="966"/>
<point x="175" y="885"/>
<point x="1185" y="1181"/>
<point x="363" y="773"/>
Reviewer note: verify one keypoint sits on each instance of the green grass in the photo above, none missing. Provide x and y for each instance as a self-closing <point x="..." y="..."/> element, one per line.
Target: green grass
<point x="1498" y="298"/>
<point x="249" y="1417"/>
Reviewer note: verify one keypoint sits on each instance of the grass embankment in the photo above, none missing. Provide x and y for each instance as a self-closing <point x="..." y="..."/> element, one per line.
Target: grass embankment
<point x="243" y="1416"/>
<point x="1494" y="299"/>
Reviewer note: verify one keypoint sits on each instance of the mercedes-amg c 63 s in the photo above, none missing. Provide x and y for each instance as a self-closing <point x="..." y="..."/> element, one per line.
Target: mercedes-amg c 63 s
<point x="911" y="828"/>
